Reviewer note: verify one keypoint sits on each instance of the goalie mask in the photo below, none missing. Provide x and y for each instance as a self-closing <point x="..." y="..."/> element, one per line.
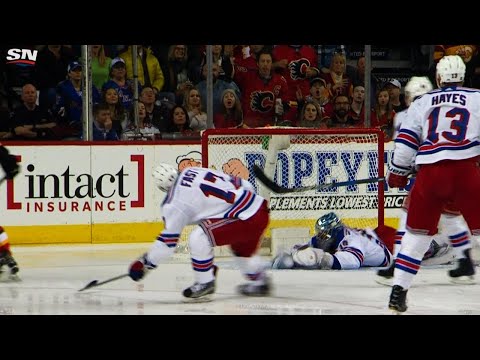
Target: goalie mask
<point x="165" y="176"/>
<point x="329" y="229"/>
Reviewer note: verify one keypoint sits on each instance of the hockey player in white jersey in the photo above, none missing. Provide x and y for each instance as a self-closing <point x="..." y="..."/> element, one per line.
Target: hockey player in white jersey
<point x="441" y="133"/>
<point x="451" y="221"/>
<point x="227" y="211"/>
<point x="338" y="247"/>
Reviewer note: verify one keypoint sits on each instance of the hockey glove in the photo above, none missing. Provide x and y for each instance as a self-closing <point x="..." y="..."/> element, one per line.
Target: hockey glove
<point x="397" y="177"/>
<point x="9" y="163"/>
<point x="139" y="268"/>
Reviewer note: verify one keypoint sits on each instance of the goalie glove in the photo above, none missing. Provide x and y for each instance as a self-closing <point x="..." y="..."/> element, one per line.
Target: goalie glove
<point x="397" y="176"/>
<point x="9" y="163"/>
<point x="139" y="268"/>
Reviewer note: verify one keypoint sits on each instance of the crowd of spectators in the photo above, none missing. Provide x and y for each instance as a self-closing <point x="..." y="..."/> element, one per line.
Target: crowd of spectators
<point x="310" y="86"/>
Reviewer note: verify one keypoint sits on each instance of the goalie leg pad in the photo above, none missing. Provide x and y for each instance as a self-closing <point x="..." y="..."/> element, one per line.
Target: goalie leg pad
<point x="308" y="257"/>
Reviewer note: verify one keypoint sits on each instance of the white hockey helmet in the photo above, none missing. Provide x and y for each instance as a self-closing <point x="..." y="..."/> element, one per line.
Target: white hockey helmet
<point x="165" y="176"/>
<point x="450" y="69"/>
<point x="416" y="86"/>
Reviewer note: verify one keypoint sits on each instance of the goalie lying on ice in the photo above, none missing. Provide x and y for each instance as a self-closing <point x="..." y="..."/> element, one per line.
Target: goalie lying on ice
<point x="339" y="247"/>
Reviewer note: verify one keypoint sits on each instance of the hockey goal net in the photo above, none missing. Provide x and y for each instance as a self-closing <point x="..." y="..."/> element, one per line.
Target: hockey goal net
<point x="295" y="157"/>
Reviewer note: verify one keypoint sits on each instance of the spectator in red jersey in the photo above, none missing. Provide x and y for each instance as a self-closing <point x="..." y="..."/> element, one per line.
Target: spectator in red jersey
<point x="297" y="64"/>
<point x="262" y="92"/>
<point x="231" y="114"/>
<point x="250" y="62"/>
<point x="382" y="114"/>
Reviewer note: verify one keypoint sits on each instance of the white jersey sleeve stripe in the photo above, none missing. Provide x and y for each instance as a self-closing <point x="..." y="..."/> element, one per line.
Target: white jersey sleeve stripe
<point x="408" y="138"/>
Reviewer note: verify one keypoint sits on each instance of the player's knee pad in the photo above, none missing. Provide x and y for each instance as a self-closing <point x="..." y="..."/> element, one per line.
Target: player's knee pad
<point x="200" y="245"/>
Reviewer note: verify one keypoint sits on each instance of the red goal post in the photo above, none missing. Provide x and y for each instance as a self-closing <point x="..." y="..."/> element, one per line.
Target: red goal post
<point x="297" y="157"/>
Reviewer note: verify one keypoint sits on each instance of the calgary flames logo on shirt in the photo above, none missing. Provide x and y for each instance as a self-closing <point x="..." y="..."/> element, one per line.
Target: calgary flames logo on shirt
<point x="261" y="101"/>
<point x="298" y="69"/>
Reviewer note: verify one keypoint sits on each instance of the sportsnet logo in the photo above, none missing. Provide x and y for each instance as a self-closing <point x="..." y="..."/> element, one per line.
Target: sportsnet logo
<point x="22" y="57"/>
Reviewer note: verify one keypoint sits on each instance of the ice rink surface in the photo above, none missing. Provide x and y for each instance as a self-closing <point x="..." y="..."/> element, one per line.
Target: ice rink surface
<point x="52" y="275"/>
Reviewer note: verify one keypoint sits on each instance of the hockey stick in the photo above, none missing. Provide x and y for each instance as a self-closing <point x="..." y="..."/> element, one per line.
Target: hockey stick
<point x="283" y="190"/>
<point x="95" y="283"/>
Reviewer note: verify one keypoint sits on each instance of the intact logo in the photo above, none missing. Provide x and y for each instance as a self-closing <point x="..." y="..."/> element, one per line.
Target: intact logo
<point x="22" y="57"/>
<point x="70" y="191"/>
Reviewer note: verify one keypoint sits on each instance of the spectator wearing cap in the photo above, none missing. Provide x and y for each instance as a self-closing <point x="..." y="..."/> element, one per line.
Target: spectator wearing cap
<point x="118" y="80"/>
<point x="319" y="94"/>
<point x="149" y="70"/>
<point x="69" y="106"/>
<point x="100" y="66"/>
<point x="396" y="99"/>
<point x="50" y="69"/>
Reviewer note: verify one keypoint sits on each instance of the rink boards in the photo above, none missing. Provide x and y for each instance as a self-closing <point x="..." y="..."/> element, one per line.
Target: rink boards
<point x="98" y="193"/>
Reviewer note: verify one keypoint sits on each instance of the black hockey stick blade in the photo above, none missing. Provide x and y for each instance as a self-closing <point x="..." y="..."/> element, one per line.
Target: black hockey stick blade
<point x="96" y="283"/>
<point x="283" y="190"/>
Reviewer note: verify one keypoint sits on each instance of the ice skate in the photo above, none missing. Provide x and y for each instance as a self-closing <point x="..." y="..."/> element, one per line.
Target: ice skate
<point x="464" y="272"/>
<point x="385" y="276"/>
<point x="256" y="288"/>
<point x="8" y="262"/>
<point x="398" y="299"/>
<point x="199" y="292"/>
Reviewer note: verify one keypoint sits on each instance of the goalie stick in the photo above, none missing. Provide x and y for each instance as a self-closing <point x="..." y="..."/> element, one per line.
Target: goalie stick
<point x="95" y="283"/>
<point x="283" y="190"/>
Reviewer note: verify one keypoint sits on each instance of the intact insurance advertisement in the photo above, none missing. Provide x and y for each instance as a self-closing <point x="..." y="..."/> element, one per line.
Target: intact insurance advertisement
<point x="74" y="193"/>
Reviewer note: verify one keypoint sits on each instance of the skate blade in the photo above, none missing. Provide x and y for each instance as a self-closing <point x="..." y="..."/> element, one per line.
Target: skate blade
<point x="384" y="281"/>
<point x="9" y="278"/>
<point x="463" y="280"/>
<point x="201" y="299"/>
<point x="395" y="311"/>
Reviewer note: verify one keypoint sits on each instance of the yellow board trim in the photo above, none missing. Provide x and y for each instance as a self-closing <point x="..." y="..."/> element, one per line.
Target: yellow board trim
<point x="128" y="232"/>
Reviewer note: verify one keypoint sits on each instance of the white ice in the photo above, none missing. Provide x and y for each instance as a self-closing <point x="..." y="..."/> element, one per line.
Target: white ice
<point x="52" y="275"/>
